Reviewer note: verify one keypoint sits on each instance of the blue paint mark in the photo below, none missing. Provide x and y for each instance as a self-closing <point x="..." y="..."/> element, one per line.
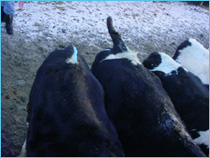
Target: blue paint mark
<point x="75" y="53"/>
<point x="169" y="74"/>
<point x="106" y="50"/>
<point x="176" y="72"/>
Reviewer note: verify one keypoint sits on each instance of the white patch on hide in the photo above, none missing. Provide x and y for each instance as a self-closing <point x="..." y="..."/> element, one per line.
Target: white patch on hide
<point x="195" y="58"/>
<point x="203" y="138"/>
<point x="131" y="56"/>
<point x="167" y="65"/>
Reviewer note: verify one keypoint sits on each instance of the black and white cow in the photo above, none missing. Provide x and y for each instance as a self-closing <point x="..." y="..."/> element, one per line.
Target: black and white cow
<point x="67" y="116"/>
<point x="142" y="112"/>
<point x="194" y="57"/>
<point x="189" y="96"/>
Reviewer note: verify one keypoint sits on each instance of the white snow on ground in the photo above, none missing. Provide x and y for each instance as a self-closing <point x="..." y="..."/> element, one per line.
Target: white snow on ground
<point x="137" y="18"/>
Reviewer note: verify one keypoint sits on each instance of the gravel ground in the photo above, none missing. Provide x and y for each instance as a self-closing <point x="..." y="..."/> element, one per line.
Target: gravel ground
<point x="42" y="27"/>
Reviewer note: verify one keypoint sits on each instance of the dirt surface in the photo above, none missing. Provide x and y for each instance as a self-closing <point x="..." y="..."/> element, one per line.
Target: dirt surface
<point x="42" y="27"/>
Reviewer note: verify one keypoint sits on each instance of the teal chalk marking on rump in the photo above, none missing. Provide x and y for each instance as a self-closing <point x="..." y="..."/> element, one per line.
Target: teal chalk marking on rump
<point x="75" y="53"/>
<point x="106" y="50"/>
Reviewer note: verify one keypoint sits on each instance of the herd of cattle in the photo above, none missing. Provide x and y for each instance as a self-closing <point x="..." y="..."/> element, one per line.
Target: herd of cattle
<point x="120" y="107"/>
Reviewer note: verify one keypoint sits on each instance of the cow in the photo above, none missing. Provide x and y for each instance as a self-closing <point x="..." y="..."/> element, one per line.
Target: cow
<point x="189" y="96"/>
<point x="141" y="110"/>
<point x="67" y="115"/>
<point x="194" y="57"/>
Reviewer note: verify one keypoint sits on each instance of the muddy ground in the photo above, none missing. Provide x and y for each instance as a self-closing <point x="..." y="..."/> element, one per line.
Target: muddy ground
<point x="42" y="27"/>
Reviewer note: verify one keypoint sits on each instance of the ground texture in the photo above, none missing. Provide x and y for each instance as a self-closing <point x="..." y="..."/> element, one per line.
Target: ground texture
<point x="42" y="27"/>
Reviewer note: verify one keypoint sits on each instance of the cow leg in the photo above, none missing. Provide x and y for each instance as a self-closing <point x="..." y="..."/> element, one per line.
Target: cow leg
<point x="23" y="152"/>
